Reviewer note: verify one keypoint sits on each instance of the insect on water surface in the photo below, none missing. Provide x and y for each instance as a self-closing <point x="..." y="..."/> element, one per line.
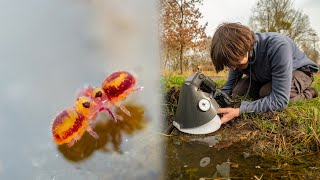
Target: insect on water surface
<point x="71" y="123"/>
<point x="118" y="86"/>
<point x="115" y="88"/>
<point x="99" y="97"/>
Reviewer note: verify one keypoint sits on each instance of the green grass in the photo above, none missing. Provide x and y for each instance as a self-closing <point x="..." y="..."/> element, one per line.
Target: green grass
<point x="173" y="81"/>
<point x="289" y="133"/>
<point x="296" y="129"/>
<point x="177" y="81"/>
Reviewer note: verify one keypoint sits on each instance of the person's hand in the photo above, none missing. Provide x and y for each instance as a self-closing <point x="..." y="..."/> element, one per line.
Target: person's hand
<point x="228" y="114"/>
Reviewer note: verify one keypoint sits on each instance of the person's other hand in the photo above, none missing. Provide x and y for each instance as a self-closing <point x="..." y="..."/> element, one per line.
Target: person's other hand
<point x="228" y="114"/>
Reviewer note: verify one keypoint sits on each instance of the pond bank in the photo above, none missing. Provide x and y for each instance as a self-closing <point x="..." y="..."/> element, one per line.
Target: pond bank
<point x="289" y="138"/>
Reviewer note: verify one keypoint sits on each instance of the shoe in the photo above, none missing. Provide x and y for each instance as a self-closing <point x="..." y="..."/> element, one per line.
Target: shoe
<point x="313" y="91"/>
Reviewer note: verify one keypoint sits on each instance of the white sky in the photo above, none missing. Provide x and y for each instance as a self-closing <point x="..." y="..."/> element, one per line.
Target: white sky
<point x="217" y="11"/>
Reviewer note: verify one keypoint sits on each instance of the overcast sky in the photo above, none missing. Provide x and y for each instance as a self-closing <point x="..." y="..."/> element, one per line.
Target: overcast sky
<point x="217" y="11"/>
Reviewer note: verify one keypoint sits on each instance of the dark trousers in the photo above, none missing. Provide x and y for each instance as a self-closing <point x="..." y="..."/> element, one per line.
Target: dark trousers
<point x="300" y="87"/>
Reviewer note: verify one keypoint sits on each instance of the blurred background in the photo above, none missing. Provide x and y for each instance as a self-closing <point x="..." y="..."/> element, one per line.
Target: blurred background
<point x="51" y="48"/>
<point x="187" y="27"/>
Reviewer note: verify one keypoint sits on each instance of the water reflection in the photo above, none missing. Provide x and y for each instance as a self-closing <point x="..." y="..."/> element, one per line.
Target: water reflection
<point x="209" y="140"/>
<point x="223" y="170"/>
<point x="46" y="54"/>
<point x="193" y="157"/>
<point x="110" y="134"/>
<point x="204" y="161"/>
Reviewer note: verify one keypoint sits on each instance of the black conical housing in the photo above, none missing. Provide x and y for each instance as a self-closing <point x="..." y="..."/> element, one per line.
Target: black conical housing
<point x="189" y="114"/>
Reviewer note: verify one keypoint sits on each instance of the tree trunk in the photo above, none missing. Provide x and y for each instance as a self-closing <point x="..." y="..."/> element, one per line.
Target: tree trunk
<point x="166" y="61"/>
<point x="181" y="58"/>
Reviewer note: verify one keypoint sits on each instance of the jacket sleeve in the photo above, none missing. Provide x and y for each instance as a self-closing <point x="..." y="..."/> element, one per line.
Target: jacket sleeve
<point x="233" y="77"/>
<point x="281" y="72"/>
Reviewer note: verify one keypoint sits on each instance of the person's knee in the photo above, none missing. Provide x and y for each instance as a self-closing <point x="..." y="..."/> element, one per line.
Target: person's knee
<point x="303" y="80"/>
<point x="241" y="87"/>
<point x="301" y="87"/>
<point x="265" y="90"/>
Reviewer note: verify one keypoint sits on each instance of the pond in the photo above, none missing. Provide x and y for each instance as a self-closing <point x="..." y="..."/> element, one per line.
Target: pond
<point x="51" y="48"/>
<point x="194" y="157"/>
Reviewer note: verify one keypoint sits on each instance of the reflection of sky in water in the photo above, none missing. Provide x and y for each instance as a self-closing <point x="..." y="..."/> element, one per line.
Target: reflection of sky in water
<point x="50" y="48"/>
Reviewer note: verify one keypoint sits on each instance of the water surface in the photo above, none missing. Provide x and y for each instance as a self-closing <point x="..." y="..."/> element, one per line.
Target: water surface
<point x="49" y="49"/>
<point x="204" y="158"/>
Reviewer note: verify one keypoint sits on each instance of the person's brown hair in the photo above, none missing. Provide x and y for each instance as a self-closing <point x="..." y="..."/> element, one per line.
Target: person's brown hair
<point x="230" y="43"/>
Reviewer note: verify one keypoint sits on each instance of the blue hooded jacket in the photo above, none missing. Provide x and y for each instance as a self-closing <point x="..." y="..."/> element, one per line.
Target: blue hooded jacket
<point x="274" y="58"/>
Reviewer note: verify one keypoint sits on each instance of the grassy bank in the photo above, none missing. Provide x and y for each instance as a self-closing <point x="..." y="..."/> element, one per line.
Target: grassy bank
<point x="290" y="133"/>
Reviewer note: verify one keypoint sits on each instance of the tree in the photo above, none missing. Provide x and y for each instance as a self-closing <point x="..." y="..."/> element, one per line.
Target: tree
<point x="180" y="28"/>
<point x="280" y="16"/>
<point x="310" y="47"/>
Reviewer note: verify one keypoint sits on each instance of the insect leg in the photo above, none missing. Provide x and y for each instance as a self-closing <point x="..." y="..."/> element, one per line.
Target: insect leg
<point x="137" y="89"/>
<point x="123" y="108"/>
<point x="71" y="143"/>
<point x="113" y="115"/>
<point x="92" y="133"/>
<point x="73" y="140"/>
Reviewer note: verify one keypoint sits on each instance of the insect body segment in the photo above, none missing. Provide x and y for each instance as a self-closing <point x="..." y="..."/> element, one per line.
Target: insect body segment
<point x="68" y="124"/>
<point x="102" y="103"/>
<point x="71" y="123"/>
<point x="118" y="86"/>
<point x="98" y="95"/>
<point x="85" y="106"/>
